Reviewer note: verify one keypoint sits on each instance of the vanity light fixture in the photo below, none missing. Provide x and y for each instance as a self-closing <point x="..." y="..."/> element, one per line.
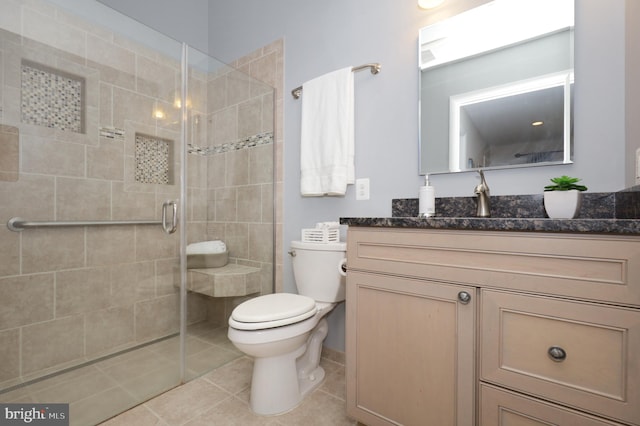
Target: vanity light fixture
<point x="429" y="4"/>
<point x="537" y="123"/>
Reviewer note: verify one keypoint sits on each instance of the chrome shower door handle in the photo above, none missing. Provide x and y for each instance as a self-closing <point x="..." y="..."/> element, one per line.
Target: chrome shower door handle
<point x="170" y="228"/>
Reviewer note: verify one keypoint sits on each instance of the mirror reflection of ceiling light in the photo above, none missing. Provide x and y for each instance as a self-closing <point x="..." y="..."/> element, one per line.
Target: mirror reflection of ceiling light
<point x="429" y="4"/>
<point x="158" y="114"/>
<point x="537" y="123"/>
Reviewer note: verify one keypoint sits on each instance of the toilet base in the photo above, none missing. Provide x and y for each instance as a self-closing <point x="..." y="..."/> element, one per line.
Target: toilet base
<point x="280" y="383"/>
<point x="310" y="383"/>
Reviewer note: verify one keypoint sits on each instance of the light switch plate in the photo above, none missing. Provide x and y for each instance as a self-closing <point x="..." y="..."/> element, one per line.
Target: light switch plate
<point x="362" y="189"/>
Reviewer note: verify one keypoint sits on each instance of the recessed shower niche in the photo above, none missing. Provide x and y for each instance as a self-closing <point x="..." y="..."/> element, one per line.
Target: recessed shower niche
<point x="153" y="157"/>
<point x="52" y="98"/>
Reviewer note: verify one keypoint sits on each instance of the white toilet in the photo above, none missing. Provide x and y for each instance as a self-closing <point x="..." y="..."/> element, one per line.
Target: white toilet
<point x="284" y="332"/>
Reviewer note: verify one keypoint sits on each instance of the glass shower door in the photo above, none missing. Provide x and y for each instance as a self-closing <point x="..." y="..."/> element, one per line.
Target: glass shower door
<point x="90" y="131"/>
<point x="230" y="191"/>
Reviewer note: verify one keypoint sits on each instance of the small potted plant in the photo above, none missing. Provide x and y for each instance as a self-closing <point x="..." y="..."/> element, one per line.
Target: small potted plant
<point x="563" y="199"/>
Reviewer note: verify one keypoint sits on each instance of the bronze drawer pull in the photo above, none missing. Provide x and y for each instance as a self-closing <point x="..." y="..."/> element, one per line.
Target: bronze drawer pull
<point x="557" y="354"/>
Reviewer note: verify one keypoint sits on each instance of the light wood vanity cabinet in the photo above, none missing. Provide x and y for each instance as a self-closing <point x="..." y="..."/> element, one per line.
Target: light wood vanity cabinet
<point x="551" y="334"/>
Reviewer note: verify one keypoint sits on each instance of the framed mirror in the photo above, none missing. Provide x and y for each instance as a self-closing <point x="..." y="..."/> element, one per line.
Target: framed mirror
<point x="496" y="87"/>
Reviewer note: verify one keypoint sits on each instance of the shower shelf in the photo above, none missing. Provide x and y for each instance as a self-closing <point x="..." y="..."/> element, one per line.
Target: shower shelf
<point x="227" y="281"/>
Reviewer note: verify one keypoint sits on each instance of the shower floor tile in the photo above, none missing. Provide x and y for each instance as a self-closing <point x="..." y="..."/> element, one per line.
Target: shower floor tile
<point x="221" y="397"/>
<point x="214" y="397"/>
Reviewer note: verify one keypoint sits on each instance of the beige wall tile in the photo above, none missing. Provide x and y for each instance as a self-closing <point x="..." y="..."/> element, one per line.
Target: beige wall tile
<point x="268" y="112"/>
<point x="197" y="171"/>
<point x="113" y="76"/>
<point x="217" y="93"/>
<point x="157" y="318"/>
<point x="153" y="243"/>
<point x="26" y="300"/>
<point x="267" y="203"/>
<point x="132" y="282"/>
<point x="133" y="205"/>
<point x="10" y="16"/>
<point x="9" y="152"/>
<point x="131" y="106"/>
<point x="196" y="308"/>
<point x="238" y="167"/>
<point x="197" y="199"/>
<point x="167" y="276"/>
<point x="223" y="126"/>
<point x="238" y="87"/>
<point x="9" y="354"/>
<point x="216" y="171"/>
<point x="51" y="343"/>
<point x="30" y="198"/>
<point x="102" y="51"/>
<point x="237" y="240"/>
<point x="225" y="204"/>
<point x="265" y="69"/>
<point x="261" y="242"/>
<point x="249" y="118"/>
<point x="110" y="245"/>
<point x="52" y="250"/>
<point x="9" y="252"/>
<point x="106" y="161"/>
<point x="83" y="199"/>
<point x="261" y="164"/>
<point x="108" y="328"/>
<point x="53" y="158"/>
<point x="197" y="99"/>
<point x="82" y="290"/>
<point x="156" y="80"/>
<point x="249" y="203"/>
<point x="46" y="30"/>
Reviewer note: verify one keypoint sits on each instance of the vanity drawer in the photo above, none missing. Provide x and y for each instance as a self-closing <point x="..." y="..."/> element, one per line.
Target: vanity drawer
<point x="500" y="407"/>
<point x="582" y="266"/>
<point x="601" y="345"/>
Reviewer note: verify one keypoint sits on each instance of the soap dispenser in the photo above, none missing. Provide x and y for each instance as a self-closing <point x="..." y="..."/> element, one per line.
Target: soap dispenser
<point x="427" y="200"/>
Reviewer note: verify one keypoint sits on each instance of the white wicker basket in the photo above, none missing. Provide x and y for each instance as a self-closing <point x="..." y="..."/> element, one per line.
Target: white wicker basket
<point x="325" y="235"/>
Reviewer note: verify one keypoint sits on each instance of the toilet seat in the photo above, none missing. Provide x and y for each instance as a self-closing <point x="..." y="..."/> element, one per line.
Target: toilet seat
<point x="272" y="310"/>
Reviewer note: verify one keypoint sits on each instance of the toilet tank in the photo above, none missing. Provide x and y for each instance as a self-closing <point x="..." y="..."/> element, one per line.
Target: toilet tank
<point x="316" y="269"/>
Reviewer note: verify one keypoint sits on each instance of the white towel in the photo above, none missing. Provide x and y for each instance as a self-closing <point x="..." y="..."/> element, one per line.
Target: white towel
<point x="328" y="140"/>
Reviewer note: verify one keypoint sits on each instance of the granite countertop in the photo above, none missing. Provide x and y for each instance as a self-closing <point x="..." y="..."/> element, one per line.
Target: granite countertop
<point x="601" y="213"/>
<point x="598" y="226"/>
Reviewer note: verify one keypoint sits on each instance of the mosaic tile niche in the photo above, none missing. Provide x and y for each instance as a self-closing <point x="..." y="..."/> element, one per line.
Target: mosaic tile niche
<point x="51" y="98"/>
<point x="153" y="156"/>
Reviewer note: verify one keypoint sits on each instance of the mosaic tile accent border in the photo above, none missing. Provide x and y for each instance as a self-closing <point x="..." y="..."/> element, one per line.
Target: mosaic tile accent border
<point x="112" y="133"/>
<point x="51" y="98"/>
<point x="152" y="159"/>
<point x="250" y="142"/>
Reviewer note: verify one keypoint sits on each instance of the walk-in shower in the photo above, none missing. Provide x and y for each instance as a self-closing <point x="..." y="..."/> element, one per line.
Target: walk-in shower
<point x="108" y="131"/>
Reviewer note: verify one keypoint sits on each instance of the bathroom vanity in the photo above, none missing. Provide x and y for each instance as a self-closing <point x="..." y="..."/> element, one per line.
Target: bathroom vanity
<point x="454" y="324"/>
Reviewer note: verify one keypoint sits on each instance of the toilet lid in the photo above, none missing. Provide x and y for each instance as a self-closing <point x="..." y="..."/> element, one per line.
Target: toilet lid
<point x="274" y="307"/>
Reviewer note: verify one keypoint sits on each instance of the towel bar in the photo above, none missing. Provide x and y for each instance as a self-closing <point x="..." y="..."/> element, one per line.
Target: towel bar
<point x="375" y="69"/>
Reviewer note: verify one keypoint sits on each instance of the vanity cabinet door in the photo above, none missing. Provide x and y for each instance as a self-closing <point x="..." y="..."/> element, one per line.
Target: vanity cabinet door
<point x="582" y="355"/>
<point x="410" y="351"/>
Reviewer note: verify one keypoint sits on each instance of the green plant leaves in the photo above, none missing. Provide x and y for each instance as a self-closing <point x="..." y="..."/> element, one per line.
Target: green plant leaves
<point x="565" y="183"/>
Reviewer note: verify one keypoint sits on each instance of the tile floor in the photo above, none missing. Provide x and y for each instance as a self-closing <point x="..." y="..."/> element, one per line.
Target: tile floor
<point x="218" y="395"/>
<point x="221" y="398"/>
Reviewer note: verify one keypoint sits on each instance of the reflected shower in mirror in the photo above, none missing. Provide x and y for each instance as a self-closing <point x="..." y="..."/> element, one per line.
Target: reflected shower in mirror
<point x="496" y="87"/>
